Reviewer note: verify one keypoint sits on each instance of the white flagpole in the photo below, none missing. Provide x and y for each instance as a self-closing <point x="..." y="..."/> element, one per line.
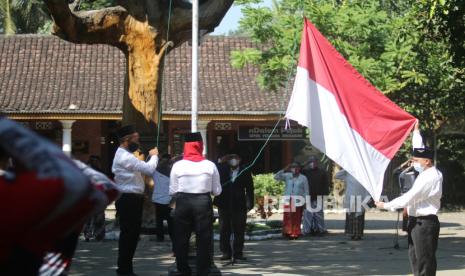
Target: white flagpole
<point x="195" y="60"/>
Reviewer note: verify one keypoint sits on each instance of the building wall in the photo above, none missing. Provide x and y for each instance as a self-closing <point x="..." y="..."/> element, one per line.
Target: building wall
<point x="86" y="137"/>
<point x="89" y="137"/>
<point x="222" y="138"/>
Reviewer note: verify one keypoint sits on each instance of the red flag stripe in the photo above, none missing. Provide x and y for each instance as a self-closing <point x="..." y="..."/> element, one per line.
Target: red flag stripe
<point x="377" y="119"/>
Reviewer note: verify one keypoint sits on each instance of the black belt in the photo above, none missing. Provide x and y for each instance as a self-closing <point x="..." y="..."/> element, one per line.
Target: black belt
<point x="428" y="217"/>
<point x="192" y="194"/>
<point x="132" y="195"/>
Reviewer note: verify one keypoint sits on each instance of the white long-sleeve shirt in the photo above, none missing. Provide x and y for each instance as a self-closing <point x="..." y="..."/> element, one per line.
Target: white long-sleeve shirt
<point x="161" y="188"/>
<point x="128" y="171"/>
<point x="195" y="178"/>
<point x="417" y="140"/>
<point x="424" y="198"/>
<point x="353" y="190"/>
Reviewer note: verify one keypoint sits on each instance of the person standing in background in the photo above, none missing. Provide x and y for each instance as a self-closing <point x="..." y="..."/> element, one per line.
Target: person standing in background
<point x="355" y="194"/>
<point x="296" y="188"/>
<point x="161" y="198"/>
<point x="95" y="226"/>
<point x="235" y="200"/>
<point x="314" y="221"/>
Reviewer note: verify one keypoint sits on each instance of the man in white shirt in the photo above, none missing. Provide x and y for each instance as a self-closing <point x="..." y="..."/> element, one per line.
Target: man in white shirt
<point x="423" y="201"/>
<point x="192" y="182"/>
<point x="128" y="172"/>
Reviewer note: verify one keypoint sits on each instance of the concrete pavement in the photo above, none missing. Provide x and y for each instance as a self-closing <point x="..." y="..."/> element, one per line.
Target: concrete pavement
<point x="333" y="254"/>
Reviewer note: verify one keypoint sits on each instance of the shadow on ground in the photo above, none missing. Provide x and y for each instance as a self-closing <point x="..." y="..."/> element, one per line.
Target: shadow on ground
<point x="333" y="254"/>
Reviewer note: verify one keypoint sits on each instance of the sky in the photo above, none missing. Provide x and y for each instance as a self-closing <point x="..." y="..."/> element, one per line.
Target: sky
<point x="230" y="21"/>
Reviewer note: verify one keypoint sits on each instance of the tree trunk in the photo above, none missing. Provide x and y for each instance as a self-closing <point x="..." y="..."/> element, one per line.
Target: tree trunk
<point x="140" y="29"/>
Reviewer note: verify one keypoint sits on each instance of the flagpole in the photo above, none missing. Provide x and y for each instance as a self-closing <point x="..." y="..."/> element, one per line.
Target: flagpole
<point x="195" y="73"/>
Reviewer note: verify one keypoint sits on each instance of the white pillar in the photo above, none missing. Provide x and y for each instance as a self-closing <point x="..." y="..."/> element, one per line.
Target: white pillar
<point x="195" y="61"/>
<point x="67" y="141"/>
<point x="202" y="127"/>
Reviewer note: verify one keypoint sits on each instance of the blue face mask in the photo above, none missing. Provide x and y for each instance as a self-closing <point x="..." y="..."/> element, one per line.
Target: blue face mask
<point x="418" y="167"/>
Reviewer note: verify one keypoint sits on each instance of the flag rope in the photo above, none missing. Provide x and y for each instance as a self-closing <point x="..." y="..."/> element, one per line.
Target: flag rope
<point x="160" y="98"/>
<point x="292" y="65"/>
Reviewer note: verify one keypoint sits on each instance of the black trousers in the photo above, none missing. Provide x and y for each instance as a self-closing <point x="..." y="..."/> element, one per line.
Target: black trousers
<point x="129" y="207"/>
<point x="232" y="222"/>
<point x="162" y="213"/>
<point x="423" y="235"/>
<point x="193" y="212"/>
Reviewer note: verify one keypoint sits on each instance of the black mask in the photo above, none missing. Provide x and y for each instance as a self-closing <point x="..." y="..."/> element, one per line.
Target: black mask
<point x="132" y="147"/>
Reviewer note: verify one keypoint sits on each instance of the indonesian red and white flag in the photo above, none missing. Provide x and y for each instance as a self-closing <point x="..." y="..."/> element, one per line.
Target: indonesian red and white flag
<point x="350" y="120"/>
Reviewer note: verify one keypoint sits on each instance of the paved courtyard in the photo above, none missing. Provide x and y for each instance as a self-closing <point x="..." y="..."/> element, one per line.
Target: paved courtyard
<point x="333" y="254"/>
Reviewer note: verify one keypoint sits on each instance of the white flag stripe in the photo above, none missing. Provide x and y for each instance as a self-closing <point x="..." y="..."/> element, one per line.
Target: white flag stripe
<point x="314" y="106"/>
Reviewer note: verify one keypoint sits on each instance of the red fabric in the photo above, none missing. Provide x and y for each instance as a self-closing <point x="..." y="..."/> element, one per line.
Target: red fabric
<point x="27" y="203"/>
<point x="292" y="219"/>
<point x="193" y="151"/>
<point x="380" y="122"/>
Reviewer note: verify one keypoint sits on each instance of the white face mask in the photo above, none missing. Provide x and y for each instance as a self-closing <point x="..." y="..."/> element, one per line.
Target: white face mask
<point x="234" y="162"/>
<point x="418" y="167"/>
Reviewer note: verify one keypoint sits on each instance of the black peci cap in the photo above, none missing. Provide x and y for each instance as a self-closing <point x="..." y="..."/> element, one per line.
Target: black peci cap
<point x="125" y="131"/>
<point x="423" y="153"/>
<point x="193" y="137"/>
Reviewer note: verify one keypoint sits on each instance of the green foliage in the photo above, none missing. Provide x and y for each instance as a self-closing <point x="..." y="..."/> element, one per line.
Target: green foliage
<point x="22" y="16"/>
<point x="96" y="4"/>
<point x="266" y="185"/>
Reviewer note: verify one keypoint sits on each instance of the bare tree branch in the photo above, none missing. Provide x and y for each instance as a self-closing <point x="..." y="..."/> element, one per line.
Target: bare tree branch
<point x="210" y="14"/>
<point x="99" y="26"/>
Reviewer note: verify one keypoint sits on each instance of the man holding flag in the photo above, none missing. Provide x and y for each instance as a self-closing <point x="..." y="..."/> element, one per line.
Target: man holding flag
<point x="423" y="201"/>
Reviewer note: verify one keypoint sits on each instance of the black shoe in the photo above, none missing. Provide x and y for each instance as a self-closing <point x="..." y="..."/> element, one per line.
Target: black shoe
<point x="321" y="234"/>
<point x="126" y="274"/>
<point x="176" y="272"/>
<point x="240" y="258"/>
<point x="225" y="257"/>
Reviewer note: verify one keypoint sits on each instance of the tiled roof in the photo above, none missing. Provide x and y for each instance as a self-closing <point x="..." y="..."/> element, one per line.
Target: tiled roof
<point x="44" y="74"/>
<point x="223" y="89"/>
